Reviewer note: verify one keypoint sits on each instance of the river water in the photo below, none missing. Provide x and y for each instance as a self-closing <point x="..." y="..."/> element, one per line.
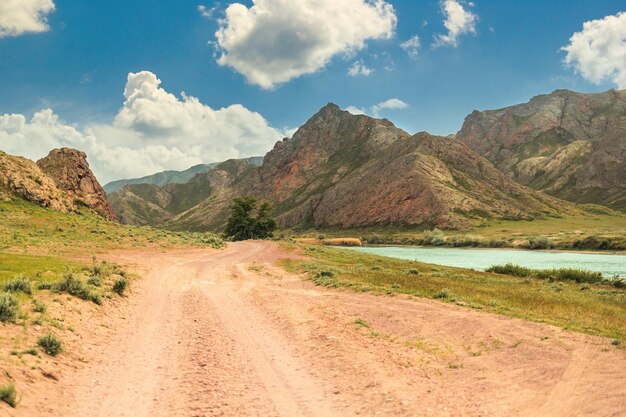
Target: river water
<point x="481" y="259"/>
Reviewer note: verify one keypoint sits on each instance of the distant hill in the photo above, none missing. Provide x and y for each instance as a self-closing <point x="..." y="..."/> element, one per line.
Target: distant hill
<point x="172" y="177"/>
<point x="351" y="171"/>
<point x="567" y="144"/>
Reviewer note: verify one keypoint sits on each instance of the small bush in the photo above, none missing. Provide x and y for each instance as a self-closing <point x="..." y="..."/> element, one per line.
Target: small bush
<point x="9" y="307"/>
<point x="39" y="307"/>
<point x="19" y="284"/>
<point x="434" y="237"/>
<point x="510" y="269"/>
<point x="74" y="286"/>
<point x="443" y="294"/>
<point x="119" y="286"/>
<point x="8" y="394"/>
<point x="50" y="344"/>
<point x="95" y="280"/>
<point x="540" y="242"/>
<point x="45" y="286"/>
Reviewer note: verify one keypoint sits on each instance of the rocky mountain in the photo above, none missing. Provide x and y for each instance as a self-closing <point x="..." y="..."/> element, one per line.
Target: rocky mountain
<point x="567" y="144"/>
<point x="21" y="177"/>
<point x="172" y="177"/>
<point x="352" y="171"/>
<point x="70" y="171"/>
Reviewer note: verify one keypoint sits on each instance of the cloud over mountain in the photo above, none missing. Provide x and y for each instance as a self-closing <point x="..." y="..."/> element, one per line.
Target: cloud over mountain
<point x="598" y="52"/>
<point x="153" y="131"/>
<point x="274" y="41"/>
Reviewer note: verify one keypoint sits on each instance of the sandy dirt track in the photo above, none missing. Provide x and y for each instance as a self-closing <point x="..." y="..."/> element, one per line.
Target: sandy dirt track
<point x="228" y="333"/>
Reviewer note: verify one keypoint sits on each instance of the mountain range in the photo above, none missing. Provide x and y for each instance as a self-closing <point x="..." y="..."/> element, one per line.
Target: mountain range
<point x="347" y="171"/>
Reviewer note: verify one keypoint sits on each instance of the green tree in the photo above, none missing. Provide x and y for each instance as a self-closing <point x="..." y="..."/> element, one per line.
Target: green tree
<point x="250" y="219"/>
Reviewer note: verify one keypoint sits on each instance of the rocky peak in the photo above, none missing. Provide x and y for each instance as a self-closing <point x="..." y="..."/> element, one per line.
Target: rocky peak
<point x="70" y="170"/>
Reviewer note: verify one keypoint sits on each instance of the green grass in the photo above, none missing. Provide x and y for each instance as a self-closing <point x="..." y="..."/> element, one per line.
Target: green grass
<point x="28" y="228"/>
<point x="598" y="309"/>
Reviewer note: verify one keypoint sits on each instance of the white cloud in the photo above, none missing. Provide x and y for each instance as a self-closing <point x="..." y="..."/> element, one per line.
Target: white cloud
<point x="412" y="46"/>
<point x="359" y="68"/>
<point x="207" y="11"/>
<point x="22" y="16"/>
<point x="375" y="110"/>
<point x="275" y="41"/>
<point x="458" y="21"/>
<point x="153" y="131"/>
<point x="598" y="52"/>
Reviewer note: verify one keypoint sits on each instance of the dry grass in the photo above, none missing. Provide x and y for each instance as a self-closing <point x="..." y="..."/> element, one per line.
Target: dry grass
<point x="594" y="309"/>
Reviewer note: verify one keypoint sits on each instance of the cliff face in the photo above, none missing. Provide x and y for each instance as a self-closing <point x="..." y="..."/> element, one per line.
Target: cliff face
<point x="342" y="170"/>
<point x="567" y="144"/>
<point x="70" y="170"/>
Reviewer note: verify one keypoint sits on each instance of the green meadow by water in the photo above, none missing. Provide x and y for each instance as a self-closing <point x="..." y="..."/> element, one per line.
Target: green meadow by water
<point x="481" y="259"/>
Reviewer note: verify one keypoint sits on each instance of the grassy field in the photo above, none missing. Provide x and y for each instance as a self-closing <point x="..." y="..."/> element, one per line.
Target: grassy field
<point x="593" y="309"/>
<point x="30" y="229"/>
<point x="589" y="232"/>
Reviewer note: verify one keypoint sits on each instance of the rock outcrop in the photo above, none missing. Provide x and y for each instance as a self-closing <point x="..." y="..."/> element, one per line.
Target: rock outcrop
<point x="567" y="144"/>
<point x="21" y="177"/>
<point x="70" y="170"/>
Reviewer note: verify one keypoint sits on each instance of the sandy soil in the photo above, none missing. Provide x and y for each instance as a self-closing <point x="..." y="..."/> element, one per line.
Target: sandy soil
<point x="227" y="333"/>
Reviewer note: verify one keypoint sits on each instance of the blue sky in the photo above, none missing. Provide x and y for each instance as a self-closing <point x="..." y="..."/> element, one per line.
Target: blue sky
<point x="78" y="66"/>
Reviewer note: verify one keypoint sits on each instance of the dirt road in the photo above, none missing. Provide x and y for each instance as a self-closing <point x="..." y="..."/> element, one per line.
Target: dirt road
<point x="226" y="333"/>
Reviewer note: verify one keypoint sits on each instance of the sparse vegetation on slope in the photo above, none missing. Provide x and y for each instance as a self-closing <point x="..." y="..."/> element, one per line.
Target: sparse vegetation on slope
<point x="597" y="309"/>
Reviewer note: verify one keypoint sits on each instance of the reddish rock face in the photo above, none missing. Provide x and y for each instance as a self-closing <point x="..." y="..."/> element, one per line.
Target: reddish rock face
<point x="70" y="170"/>
<point x="347" y="171"/>
<point x="567" y="144"/>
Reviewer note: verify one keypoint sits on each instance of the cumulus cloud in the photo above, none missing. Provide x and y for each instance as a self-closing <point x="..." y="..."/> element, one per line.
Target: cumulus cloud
<point x="458" y="21"/>
<point x="359" y="68"/>
<point x="412" y="46"/>
<point x="153" y="131"/>
<point x="375" y="110"/>
<point x="274" y="41"/>
<point x="598" y="52"/>
<point x="22" y="16"/>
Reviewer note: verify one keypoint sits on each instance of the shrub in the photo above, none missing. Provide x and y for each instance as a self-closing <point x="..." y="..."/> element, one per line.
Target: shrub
<point x="8" y="394"/>
<point x="466" y="241"/>
<point x="96" y="281"/>
<point x="18" y="284"/>
<point x="443" y="294"/>
<point x="510" y="269"/>
<point x="540" y="242"/>
<point x="9" y="307"/>
<point x="561" y="274"/>
<point x="74" y="286"/>
<point x="119" y="286"/>
<point x="50" y="344"/>
<point x="39" y="307"/>
<point x="434" y="237"/>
